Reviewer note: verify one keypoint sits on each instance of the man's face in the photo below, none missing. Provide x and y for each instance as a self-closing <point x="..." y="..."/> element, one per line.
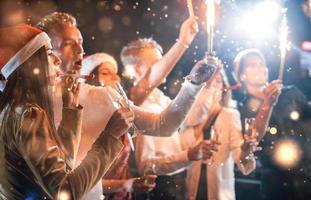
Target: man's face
<point x="67" y="44"/>
<point x="148" y="57"/>
<point x="255" y="71"/>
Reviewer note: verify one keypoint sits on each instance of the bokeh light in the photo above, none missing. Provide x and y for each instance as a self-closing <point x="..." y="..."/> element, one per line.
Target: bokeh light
<point x="287" y="153"/>
<point x="64" y="195"/>
<point x="258" y="22"/>
<point x="36" y="71"/>
<point x="273" y="131"/>
<point x="294" y="115"/>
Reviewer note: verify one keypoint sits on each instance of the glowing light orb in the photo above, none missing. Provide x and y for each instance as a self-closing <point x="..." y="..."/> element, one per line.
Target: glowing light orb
<point x="273" y="131"/>
<point x="36" y="71"/>
<point x="259" y="21"/>
<point x="294" y="115"/>
<point x="287" y="153"/>
<point x="63" y="195"/>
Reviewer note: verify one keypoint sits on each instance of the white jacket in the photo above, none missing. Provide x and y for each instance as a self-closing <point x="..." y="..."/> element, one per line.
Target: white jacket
<point x="168" y="154"/>
<point x="99" y="103"/>
<point x="220" y="174"/>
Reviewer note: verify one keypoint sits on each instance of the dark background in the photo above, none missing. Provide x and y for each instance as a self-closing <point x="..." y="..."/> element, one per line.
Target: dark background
<point x="108" y="25"/>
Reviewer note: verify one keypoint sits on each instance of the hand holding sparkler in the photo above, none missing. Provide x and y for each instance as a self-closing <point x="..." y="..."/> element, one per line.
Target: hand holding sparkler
<point x="188" y="31"/>
<point x="272" y="92"/>
<point x="205" y="70"/>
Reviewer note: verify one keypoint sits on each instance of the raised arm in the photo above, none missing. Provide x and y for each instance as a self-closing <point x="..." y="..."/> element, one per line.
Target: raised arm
<point x="271" y="93"/>
<point x="69" y="131"/>
<point x="164" y="66"/>
<point x="168" y="121"/>
<point x="45" y="160"/>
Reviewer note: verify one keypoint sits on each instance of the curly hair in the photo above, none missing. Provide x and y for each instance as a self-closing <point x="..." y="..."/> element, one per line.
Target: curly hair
<point x="55" y="22"/>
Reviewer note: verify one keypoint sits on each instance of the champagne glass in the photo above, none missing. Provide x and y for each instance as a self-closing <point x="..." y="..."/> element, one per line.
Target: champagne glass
<point x="214" y="137"/>
<point x="250" y="132"/>
<point x="150" y="169"/>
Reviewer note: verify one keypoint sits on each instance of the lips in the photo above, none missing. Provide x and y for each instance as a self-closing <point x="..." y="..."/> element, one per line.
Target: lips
<point x="78" y="64"/>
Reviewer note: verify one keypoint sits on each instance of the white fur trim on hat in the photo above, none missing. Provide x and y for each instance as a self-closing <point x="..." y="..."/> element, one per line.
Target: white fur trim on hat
<point x="24" y="53"/>
<point x="92" y="61"/>
<point x="2" y="85"/>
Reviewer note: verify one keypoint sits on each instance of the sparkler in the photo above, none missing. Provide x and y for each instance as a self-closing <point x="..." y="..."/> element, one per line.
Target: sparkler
<point x="283" y="44"/>
<point x="210" y="22"/>
<point x="190" y="8"/>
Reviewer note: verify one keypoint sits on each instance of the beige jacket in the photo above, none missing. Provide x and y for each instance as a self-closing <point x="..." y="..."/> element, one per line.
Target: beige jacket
<point x="220" y="174"/>
<point x="32" y="162"/>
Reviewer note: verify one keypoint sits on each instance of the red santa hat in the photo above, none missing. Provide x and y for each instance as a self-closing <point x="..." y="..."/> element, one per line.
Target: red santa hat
<point x="92" y="61"/>
<point x="18" y="44"/>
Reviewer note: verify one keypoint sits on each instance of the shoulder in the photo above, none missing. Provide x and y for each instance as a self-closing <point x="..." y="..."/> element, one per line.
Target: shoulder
<point x="88" y="90"/>
<point x="291" y="94"/>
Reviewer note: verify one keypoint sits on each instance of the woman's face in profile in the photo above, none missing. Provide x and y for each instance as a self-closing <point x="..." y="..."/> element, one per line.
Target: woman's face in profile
<point x="107" y="75"/>
<point x="54" y="63"/>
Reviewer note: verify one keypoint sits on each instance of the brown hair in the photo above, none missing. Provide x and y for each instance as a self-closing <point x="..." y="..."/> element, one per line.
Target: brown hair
<point x="24" y="86"/>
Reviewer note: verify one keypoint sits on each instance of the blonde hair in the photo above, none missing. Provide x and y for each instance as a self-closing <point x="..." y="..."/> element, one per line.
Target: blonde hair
<point x="130" y="53"/>
<point x="56" y="21"/>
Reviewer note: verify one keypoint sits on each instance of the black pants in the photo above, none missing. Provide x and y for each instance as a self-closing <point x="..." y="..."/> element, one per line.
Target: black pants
<point x="202" y="187"/>
<point x="170" y="187"/>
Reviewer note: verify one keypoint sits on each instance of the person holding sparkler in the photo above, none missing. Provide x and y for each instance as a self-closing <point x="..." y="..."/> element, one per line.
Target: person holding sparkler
<point x="158" y="67"/>
<point x="100" y="102"/>
<point x="166" y="157"/>
<point x="259" y="99"/>
<point x="212" y="116"/>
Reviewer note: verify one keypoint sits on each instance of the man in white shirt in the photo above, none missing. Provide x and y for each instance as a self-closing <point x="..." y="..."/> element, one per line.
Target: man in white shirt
<point x="99" y="103"/>
<point x="168" y="156"/>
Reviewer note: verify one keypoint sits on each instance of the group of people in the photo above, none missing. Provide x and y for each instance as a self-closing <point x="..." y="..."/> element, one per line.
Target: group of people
<point x="67" y="126"/>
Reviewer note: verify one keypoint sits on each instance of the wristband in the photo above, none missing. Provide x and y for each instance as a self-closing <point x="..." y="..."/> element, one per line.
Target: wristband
<point x="182" y="43"/>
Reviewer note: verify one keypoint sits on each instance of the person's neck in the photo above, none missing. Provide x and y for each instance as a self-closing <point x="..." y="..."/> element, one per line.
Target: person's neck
<point x="255" y="91"/>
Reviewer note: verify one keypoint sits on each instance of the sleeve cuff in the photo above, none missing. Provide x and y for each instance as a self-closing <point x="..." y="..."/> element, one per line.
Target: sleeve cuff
<point x="192" y="88"/>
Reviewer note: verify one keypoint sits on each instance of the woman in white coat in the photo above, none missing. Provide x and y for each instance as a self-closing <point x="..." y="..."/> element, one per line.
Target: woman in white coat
<point x="218" y="172"/>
